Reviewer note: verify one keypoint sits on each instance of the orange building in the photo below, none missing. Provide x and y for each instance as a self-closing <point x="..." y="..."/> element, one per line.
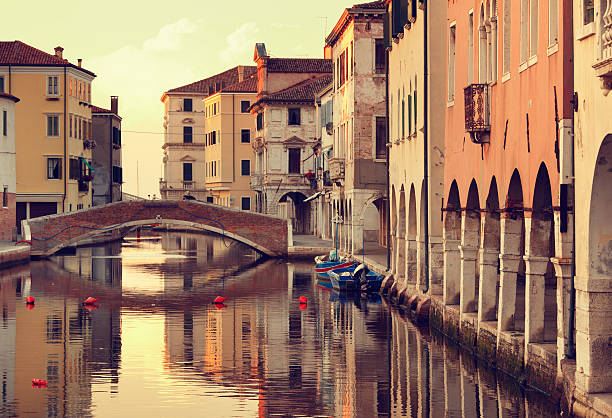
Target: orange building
<point x="508" y="122"/>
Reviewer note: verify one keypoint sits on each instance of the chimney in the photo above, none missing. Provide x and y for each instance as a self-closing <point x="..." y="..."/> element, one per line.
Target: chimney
<point x="80" y="62"/>
<point x="58" y="51"/>
<point x="115" y="105"/>
<point x="241" y="73"/>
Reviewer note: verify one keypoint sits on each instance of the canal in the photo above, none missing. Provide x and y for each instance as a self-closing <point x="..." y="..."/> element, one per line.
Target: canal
<point x="155" y="346"/>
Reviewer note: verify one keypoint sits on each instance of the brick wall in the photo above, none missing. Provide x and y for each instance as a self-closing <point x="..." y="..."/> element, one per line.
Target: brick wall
<point x="7" y="218"/>
<point x="269" y="232"/>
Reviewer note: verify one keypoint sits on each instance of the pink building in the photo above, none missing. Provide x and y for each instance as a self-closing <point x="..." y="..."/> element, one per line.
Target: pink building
<point x="506" y="184"/>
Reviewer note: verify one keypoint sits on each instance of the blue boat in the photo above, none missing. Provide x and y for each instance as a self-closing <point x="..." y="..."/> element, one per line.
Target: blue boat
<point x="356" y="279"/>
<point x="325" y="264"/>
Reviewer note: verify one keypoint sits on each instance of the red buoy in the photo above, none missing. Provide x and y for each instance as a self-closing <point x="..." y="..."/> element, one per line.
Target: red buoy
<point x="303" y="306"/>
<point x="30" y="300"/>
<point x="91" y="307"/>
<point x="220" y="299"/>
<point x="220" y="306"/>
<point x="39" y="383"/>
<point x="30" y="306"/>
<point x="90" y="301"/>
<point x="303" y="299"/>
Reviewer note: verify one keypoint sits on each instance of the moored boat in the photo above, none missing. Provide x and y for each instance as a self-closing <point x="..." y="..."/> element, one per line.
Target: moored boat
<point x="360" y="279"/>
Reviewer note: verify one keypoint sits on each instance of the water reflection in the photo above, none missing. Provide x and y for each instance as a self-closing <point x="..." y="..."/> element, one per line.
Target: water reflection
<point x="156" y="346"/>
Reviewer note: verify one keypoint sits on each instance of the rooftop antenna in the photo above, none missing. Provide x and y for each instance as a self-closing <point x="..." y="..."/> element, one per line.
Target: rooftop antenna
<point x="325" y="29"/>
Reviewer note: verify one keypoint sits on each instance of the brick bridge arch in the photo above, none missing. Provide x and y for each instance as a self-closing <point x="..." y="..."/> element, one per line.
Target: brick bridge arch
<point x="267" y="234"/>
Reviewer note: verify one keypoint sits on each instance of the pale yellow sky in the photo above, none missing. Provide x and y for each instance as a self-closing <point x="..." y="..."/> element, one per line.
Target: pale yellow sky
<point x="139" y="49"/>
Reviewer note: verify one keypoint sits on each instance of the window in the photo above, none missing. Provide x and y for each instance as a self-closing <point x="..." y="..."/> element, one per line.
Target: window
<point x="381" y="137"/>
<point x="2" y="84"/>
<point x="245" y="136"/>
<point x="244" y="106"/>
<point x="187" y="134"/>
<point x="294" y="161"/>
<point x="117" y="174"/>
<point x="74" y="169"/>
<point x="246" y="203"/>
<point x="294" y="116"/>
<point x="379" y="56"/>
<point x="245" y="167"/>
<point x="470" y="48"/>
<point x="53" y="85"/>
<point x="209" y="199"/>
<point x="187" y="172"/>
<point x="409" y="114"/>
<point x="588" y="15"/>
<point x="553" y="22"/>
<point x="187" y="105"/>
<point x="414" y="99"/>
<point x="524" y="30"/>
<point x="4" y="122"/>
<point x="52" y="125"/>
<point x="116" y="136"/>
<point x="213" y="137"/>
<point x="70" y="124"/>
<point x="451" y="63"/>
<point x="403" y="116"/>
<point x="533" y="19"/>
<point x="54" y="168"/>
<point x="507" y="31"/>
<point x="260" y="121"/>
<point x="214" y="108"/>
<point x="5" y="197"/>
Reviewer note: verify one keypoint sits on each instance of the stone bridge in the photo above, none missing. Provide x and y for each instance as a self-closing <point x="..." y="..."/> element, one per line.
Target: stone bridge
<point x="48" y="234"/>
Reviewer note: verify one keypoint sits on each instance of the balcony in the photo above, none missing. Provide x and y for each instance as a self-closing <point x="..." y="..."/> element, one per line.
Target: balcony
<point x="83" y="186"/>
<point x="477" y="112"/>
<point x="256" y="180"/>
<point x="603" y="67"/>
<point x="336" y="169"/>
<point x="181" y="185"/>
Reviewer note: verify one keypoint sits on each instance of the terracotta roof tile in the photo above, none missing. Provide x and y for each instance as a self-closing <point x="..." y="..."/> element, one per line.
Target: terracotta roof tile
<point x="96" y="109"/>
<point x="245" y="86"/>
<point x="304" y="91"/>
<point x="299" y="65"/>
<point x="380" y="4"/>
<point x="18" y="53"/>
<point x="225" y="79"/>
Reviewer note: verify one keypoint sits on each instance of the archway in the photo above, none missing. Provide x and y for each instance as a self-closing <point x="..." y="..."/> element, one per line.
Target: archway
<point x="451" y="235"/>
<point x="592" y="341"/>
<point x="489" y="257"/>
<point x="393" y="234"/>
<point x="298" y="211"/>
<point x="470" y="242"/>
<point x="541" y="282"/>
<point x="511" y="310"/>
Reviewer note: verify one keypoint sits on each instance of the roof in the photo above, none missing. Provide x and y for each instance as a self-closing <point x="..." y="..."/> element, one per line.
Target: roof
<point x="18" y="53"/>
<point x="379" y="4"/>
<point x="245" y="86"/>
<point x="8" y="96"/>
<point x="299" y="65"/>
<point x="96" y="109"/>
<point x="302" y="92"/>
<point x="226" y="78"/>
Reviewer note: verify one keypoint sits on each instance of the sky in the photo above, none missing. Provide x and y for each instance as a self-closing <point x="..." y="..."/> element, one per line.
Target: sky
<point x="139" y="49"/>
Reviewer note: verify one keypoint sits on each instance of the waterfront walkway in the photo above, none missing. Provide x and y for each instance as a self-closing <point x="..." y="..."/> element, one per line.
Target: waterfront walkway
<point x="11" y="254"/>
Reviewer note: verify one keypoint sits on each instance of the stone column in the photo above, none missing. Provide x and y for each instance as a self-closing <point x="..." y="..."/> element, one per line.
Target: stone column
<point x="508" y="269"/>
<point x="535" y="286"/>
<point x="452" y="265"/>
<point x="396" y="256"/>
<point x="411" y="259"/>
<point x="436" y="265"/>
<point x="357" y="233"/>
<point x="563" y="271"/>
<point x="494" y="49"/>
<point x="420" y="262"/>
<point x="467" y="301"/>
<point x="487" y="289"/>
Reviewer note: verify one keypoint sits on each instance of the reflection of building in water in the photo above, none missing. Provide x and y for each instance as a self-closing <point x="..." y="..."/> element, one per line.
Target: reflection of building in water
<point x="101" y="264"/>
<point x="8" y="331"/>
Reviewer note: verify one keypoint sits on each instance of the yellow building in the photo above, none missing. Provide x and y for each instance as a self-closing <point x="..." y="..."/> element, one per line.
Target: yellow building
<point x="53" y="127"/>
<point x="229" y="155"/>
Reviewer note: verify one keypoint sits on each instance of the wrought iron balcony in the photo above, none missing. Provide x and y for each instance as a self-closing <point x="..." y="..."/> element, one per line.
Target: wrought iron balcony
<point x="477" y="112"/>
<point x="336" y="169"/>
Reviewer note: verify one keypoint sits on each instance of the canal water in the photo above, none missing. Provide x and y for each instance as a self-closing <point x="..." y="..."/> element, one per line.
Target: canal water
<point x="155" y="346"/>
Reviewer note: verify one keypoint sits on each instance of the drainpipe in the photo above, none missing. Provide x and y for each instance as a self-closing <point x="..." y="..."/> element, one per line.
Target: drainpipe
<point x="111" y="149"/>
<point x="387" y="160"/>
<point x="571" y="349"/>
<point x="10" y="79"/>
<point x="65" y="146"/>
<point x="425" y="144"/>
<point x="233" y="144"/>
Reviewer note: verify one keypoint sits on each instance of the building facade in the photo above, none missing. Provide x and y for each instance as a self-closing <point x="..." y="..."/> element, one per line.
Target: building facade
<point x="416" y="163"/>
<point x="106" y="156"/>
<point x="592" y="158"/>
<point x="8" y="181"/>
<point x="285" y="134"/>
<point x="507" y="245"/>
<point x="324" y="151"/>
<point x="54" y="124"/>
<point x="229" y="156"/>
<point x="357" y="168"/>
<point x="184" y="134"/>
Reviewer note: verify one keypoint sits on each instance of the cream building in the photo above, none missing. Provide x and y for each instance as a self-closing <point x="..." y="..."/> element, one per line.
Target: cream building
<point x="53" y="123"/>
<point x="8" y="231"/>
<point x="286" y="134"/>
<point x="229" y="155"/>
<point x="592" y="159"/>
<point x="358" y="165"/>
<point x="415" y="143"/>
<point x="184" y="134"/>
<point x="324" y="151"/>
